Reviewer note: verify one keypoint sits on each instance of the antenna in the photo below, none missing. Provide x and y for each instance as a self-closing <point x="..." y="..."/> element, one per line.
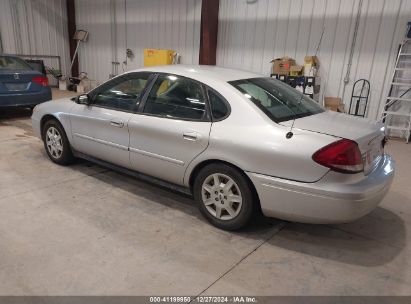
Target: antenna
<point x="290" y="133"/>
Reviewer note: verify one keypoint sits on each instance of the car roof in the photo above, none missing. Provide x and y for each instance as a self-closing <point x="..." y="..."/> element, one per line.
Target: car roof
<point x="204" y="73"/>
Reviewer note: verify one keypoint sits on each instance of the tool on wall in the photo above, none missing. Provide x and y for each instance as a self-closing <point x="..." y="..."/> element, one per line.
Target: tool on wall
<point x="359" y="103"/>
<point x="80" y="36"/>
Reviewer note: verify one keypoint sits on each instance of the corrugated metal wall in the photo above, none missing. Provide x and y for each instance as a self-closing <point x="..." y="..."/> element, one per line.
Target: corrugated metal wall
<point x="95" y="55"/>
<point x="35" y="28"/>
<point x="250" y="35"/>
<point x="146" y="24"/>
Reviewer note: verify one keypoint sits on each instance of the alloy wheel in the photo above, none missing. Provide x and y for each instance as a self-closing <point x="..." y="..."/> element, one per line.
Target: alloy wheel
<point x="221" y="196"/>
<point x="54" y="142"/>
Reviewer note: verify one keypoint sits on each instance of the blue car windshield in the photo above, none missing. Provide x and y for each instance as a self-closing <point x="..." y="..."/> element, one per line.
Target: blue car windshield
<point x="276" y="99"/>
<point x="13" y="63"/>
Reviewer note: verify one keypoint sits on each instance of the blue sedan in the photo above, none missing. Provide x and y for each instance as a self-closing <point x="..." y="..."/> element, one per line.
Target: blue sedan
<point x="20" y="84"/>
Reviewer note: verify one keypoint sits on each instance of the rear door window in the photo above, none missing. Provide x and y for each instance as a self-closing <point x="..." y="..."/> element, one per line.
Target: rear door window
<point x="176" y="97"/>
<point x="219" y="106"/>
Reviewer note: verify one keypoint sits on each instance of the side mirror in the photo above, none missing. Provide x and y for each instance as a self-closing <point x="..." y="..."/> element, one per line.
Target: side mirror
<point x="83" y="99"/>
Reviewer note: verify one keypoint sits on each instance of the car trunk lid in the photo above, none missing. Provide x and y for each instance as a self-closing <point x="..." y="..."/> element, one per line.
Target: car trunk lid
<point x="18" y="81"/>
<point x="368" y="134"/>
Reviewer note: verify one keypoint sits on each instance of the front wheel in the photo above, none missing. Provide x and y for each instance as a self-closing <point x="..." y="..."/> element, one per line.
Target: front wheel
<point x="224" y="196"/>
<point x="56" y="143"/>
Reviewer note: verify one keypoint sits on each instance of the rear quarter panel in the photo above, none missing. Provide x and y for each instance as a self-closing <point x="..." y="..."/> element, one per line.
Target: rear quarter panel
<point x="256" y="144"/>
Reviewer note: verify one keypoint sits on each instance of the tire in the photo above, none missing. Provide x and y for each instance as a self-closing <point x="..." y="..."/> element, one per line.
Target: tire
<point x="214" y="200"/>
<point x="58" y="149"/>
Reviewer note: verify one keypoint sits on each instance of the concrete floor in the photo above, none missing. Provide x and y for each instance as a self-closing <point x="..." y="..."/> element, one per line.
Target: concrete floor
<point x="86" y="230"/>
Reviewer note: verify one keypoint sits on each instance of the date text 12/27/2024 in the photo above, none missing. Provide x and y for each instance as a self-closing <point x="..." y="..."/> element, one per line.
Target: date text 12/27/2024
<point x="203" y="299"/>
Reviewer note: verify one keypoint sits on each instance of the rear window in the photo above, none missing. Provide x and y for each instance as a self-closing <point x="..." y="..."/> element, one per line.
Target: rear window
<point x="13" y="63"/>
<point x="277" y="100"/>
<point x="37" y="65"/>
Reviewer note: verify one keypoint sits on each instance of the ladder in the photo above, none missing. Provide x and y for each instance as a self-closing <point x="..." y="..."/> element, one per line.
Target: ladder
<point x="397" y="110"/>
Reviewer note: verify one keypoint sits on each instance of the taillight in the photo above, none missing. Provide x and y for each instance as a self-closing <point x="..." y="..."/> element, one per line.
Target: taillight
<point x="341" y="156"/>
<point x="41" y="80"/>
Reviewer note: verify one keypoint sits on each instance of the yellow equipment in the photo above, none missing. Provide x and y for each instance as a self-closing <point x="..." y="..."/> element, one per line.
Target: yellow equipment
<point x="154" y="57"/>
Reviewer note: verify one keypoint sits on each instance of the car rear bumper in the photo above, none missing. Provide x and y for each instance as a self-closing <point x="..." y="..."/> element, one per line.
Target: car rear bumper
<point x="325" y="201"/>
<point x="25" y="99"/>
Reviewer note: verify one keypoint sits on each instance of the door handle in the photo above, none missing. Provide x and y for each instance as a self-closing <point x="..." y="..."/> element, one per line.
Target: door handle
<point x="116" y="123"/>
<point x="192" y="136"/>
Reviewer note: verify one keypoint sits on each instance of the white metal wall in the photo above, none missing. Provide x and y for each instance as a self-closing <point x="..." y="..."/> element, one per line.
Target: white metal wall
<point x="146" y="24"/>
<point x="250" y="35"/>
<point x="35" y="28"/>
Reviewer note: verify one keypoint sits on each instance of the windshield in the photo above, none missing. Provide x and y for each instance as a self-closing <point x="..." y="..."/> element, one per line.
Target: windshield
<point x="276" y="99"/>
<point x="13" y="63"/>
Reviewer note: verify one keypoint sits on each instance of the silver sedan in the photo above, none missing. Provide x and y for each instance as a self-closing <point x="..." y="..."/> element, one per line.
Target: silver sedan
<point x="239" y="142"/>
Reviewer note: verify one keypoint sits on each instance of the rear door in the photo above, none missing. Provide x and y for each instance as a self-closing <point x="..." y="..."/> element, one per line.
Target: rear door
<point x="16" y="77"/>
<point x="172" y="128"/>
<point x="101" y="128"/>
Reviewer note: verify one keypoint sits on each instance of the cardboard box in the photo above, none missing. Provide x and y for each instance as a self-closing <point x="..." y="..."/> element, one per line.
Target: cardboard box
<point x="334" y="104"/>
<point x="282" y="65"/>
<point x="153" y="57"/>
<point x="296" y="70"/>
<point x="311" y="66"/>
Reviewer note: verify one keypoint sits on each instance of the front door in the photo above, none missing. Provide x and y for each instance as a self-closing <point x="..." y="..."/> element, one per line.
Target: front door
<point x="101" y="128"/>
<point x="171" y="130"/>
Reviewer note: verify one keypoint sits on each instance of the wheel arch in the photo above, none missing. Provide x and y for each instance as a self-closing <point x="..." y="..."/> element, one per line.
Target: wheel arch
<point x="207" y="162"/>
<point x="45" y="119"/>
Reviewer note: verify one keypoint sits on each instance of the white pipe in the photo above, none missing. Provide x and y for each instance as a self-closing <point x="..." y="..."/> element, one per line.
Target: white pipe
<point x="354" y="40"/>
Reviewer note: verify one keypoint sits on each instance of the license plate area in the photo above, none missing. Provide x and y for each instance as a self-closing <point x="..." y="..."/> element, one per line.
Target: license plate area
<point x="17" y="86"/>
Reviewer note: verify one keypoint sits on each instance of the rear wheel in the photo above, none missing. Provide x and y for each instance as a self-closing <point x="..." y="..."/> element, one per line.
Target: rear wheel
<point x="56" y="143"/>
<point x="224" y="196"/>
